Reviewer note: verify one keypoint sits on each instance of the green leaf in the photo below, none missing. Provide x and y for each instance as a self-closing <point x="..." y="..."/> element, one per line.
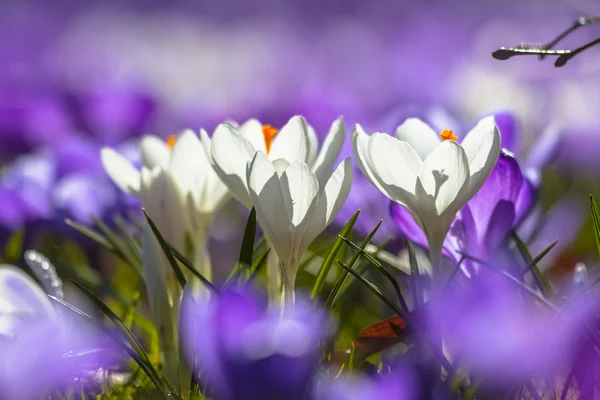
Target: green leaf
<point x="95" y="236"/>
<point x="188" y="264"/>
<point x="167" y="249"/>
<point x="540" y="279"/>
<point x="14" y="246"/>
<point x="415" y="276"/>
<point x="126" y="335"/>
<point x="260" y="261"/>
<point x="342" y="278"/>
<point x="595" y="221"/>
<point x="119" y="247"/>
<point x="538" y="258"/>
<point x="247" y="249"/>
<point x="331" y="256"/>
<point x="361" y="251"/>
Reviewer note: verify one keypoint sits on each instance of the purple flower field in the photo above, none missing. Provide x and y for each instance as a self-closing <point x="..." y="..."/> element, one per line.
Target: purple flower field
<point x="303" y="200"/>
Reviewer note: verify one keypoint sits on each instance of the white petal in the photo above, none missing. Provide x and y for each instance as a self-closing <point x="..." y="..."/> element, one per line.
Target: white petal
<point x="230" y="154"/>
<point x="419" y="135"/>
<point x="269" y="203"/>
<point x="329" y="151"/>
<point x="396" y="166"/>
<point x="482" y="147"/>
<point x="360" y="145"/>
<point x="121" y="171"/>
<point x="206" y="143"/>
<point x="165" y="204"/>
<point x="155" y="152"/>
<point x="444" y="178"/>
<point x="252" y="131"/>
<point x="292" y="142"/>
<point x="331" y="200"/>
<point x="189" y="165"/>
<point x="313" y="147"/>
<point x="20" y="296"/>
<point x="300" y="186"/>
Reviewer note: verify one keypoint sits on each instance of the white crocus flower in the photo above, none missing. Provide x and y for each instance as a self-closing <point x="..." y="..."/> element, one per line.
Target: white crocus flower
<point x="232" y="147"/>
<point x="181" y="193"/>
<point x="292" y="207"/>
<point x="432" y="177"/>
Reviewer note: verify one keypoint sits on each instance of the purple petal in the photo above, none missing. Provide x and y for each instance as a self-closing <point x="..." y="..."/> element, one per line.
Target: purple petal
<point x="410" y="230"/>
<point x="507" y="125"/>
<point x="12" y="209"/>
<point x="545" y="149"/>
<point x="78" y="154"/>
<point x="82" y="197"/>
<point x="504" y="183"/>
<point x="501" y="223"/>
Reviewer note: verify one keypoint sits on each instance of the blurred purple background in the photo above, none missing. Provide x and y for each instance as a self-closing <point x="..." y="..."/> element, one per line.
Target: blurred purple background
<point x="77" y="76"/>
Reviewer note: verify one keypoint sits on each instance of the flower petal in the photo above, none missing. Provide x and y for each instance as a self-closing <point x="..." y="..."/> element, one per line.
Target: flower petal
<point x="230" y="155"/>
<point x="395" y="165"/>
<point x="155" y="152"/>
<point x="482" y="147"/>
<point x="301" y="192"/>
<point x="329" y="151"/>
<point x="419" y="135"/>
<point x="331" y="200"/>
<point x="313" y="147"/>
<point x="121" y="171"/>
<point x="443" y="177"/>
<point x="20" y="296"/>
<point x="500" y="224"/>
<point x="545" y="148"/>
<point x="270" y="205"/>
<point x="360" y="145"/>
<point x="292" y="142"/>
<point x="251" y="130"/>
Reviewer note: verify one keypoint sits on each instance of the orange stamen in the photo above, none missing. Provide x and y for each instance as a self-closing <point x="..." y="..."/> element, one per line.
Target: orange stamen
<point x="171" y="141"/>
<point x="269" y="134"/>
<point x="447" y="134"/>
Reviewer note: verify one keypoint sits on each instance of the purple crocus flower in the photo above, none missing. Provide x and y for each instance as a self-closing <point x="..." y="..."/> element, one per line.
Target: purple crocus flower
<point x="481" y="226"/>
<point x="249" y="351"/>
<point x="500" y="334"/>
<point x="36" y="340"/>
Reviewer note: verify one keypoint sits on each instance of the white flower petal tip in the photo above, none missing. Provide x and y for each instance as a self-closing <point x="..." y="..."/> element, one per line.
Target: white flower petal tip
<point x="120" y="170"/>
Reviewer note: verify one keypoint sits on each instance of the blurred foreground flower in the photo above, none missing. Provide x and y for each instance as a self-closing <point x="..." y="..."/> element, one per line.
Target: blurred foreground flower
<point x="181" y="193"/>
<point x="503" y="335"/>
<point x="432" y="179"/>
<point x="246" y="350"/>
<point x="40" y="347"/>
<point x="499" y="206"/>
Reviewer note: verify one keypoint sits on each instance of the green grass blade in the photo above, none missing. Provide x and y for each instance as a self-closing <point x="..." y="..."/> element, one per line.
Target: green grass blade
<point x="415" y="276"/>
<point x="188" y="264"/>
<point x="166" y="248"/>
<point x="259" y="263"/>
<point x="342" y="278"/>
<point x="95" y="236"/>
<point x="125" y="333"/>
<point x="539" y="258"/>
<point x="540" y="279"/>
<point x="14" y="246"/>
<point x="331" y="256"/>
<point x="247" y="249"/>
<point x="382" y="269"/>
<point x="596" y="221"/>
<point x="118" y="245"/>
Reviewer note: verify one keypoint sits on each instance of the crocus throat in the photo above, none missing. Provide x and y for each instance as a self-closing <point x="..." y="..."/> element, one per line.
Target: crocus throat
<point x="269" y="134"/>
<point x="171" y="141"/>
<point x="447" y="134"/>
